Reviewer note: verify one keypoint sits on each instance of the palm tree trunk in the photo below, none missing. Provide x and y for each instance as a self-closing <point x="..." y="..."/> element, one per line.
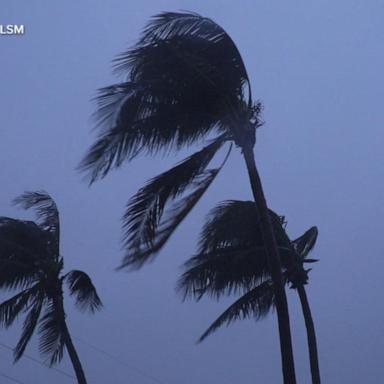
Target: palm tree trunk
<point x="275" y="266"/>
<point x="74" y="358"/>
<point x="80" y="375"/>
<point x="311" y="335"/>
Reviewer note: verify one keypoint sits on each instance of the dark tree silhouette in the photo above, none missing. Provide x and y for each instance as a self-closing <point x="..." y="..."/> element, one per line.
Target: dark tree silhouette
<point x="184" y="81"/>
<point x="231" y="259"/>
<point x="30" y="262"/>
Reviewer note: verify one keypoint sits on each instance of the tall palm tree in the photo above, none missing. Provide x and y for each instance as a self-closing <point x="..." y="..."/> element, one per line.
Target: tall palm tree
<point x="231" y="259"/>
<point x="30" y="262"/>
<point x="184" y="81"/>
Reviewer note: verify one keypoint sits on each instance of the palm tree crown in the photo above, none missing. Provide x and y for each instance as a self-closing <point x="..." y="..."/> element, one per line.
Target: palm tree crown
<point x="185" y="80"/>
<point x="30" y="262"/>
<point x="231" y="259"/>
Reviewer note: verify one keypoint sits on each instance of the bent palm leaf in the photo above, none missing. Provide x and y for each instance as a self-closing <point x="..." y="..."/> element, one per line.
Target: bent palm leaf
<point x="190" y="50"/>
<point x="47" y="215"/>
<point x="29" y="325"/>
<point x="223" y="272"/>
<point x="142" y="249"/>
<point x="11" y="308"/>
<point x="80" y="285"/>
<point x="232" y="223"/>
<point x="255" y="303"/>
<point x="145" y="209"/>
<point x="51" y="331"/>
<point x="21" y="245"/>
<point x="304" y="244"/>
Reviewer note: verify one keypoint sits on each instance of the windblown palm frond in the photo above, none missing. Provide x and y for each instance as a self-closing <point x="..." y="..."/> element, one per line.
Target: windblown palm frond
<point x="51" y="331"/>
<point x="146" y="208"/>
<point x="131" y="123"/>
<point x="47" y="214"/>
<point x="232" y="223"/>
<point x="223" y="272"/>
<point x="304" y="244"/>
<point x="27" y="238"/>
<point x="30" y="324"/>
<point x="255" y="303"/>
<point x="80" y="286"/>
<point x="22" y="247"/>
<point x="11" y="308"/>
<point x="140" y="247"/>
<point x="189" y="48"/>
<point x="169" y="24"/>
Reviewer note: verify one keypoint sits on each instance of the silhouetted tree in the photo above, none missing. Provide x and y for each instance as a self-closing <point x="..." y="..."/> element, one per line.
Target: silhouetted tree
<point x="231" y="259"/>
<point x="30" y="262"/>
<point x="185" y="81"/>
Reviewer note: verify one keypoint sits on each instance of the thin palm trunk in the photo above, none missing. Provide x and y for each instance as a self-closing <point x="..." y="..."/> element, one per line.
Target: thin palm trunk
<point x="80" y="375"/>
<point x="275" y="267"/>
<point x="311" y="335"/>
<point x="74" y="358"/>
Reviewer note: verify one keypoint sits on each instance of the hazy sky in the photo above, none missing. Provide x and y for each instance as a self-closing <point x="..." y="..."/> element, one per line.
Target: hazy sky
<point x="317" y="66"/>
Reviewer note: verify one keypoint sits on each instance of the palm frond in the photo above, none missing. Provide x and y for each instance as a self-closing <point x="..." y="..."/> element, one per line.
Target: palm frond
<point x="168" y="24"/>
<point x="24" y="234"/>
<point x="145" y="209"/>
<point x="140" y="124"/>
<point x="224" y="271"/>
<point x="304" y="244"/>
<point x="11" y="308"/>
<point x="51" y="331"/>
<point x="109" y="100"/>
<point x="191" y="43"/>
<point x="117" y="142"/>
<point x="255" y="303"/>
<point x="22" y="246"/>
<point x="47" y="214"/>
<point x="139" y="252"/>
<point x="30" y="324"/>
<point x="81" y="286"/>
<point x="234" y="223"/>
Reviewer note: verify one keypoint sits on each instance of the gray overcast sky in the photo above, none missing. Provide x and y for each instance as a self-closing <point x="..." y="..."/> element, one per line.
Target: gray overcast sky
<point x="317" y="66"/>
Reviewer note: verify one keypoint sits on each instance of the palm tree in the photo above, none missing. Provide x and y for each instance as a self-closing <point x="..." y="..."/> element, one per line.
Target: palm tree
<point x="185" y="81"/>
<point x="231" y="259"/>
<point x="30" y="262"/>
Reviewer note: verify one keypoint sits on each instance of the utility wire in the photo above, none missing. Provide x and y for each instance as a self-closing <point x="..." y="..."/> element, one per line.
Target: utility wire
<point x="39" y="362"/>
<point x="121" y="362"/>
<point x="97" y="349"/>
<point x="11" y="378"/>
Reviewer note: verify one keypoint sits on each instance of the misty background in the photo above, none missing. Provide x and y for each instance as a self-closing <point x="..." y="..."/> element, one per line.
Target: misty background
<point x="317" y="67"/>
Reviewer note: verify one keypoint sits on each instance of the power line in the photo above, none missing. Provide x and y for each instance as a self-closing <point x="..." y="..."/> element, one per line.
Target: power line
<point x="97" y="349"/>
<point x="121" y="362"/>
<point x="39" y="362"/>
<point x="11" y="378"/>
